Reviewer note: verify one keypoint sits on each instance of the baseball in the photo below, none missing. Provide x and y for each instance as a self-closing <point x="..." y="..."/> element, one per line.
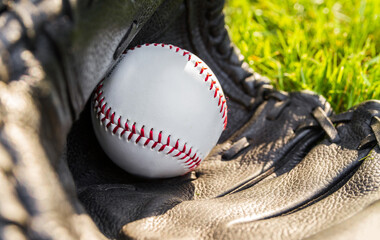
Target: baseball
<point x="159" y="111"/>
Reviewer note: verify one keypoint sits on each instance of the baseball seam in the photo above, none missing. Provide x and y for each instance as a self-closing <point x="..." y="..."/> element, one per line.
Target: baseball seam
<point x="107" y="117"/>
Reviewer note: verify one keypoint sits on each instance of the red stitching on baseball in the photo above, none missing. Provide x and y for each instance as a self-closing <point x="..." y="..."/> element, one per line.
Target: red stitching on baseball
<point x="99" y="87"/>
<point x="104" y="118"/>
<point x="103" y="108"/>
<point x="159" y="136"/>
<point x="134" y="128"/>
<point x="212" y="84"/>
<point x="179" y="153"/>
<point x="124" y="130"/>
<point x="151" y="134"/>
<point x="99" y="104"/>
<point x="216" y="92"/>
<point x="195" y="163"/>
<point x="98" y="97"/>
<point x="111" y="120"/>
<point x="132" y="132"/>
<point x="142" y="131"/>
<point x="162" y="148"/>
<point x="101" y="101"/>
<point x="207" y="76"/>
<point x="117" y="127"/>
<point x="154" y="145"/>
<point x="130" y="136"/>
<point x="142" y="134"/>
<point x="171" y="150"/>
<point x="221" y="109"/>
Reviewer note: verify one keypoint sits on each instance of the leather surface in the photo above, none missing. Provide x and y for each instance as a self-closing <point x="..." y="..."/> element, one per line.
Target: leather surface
<point x="53" y="53"/>
<point x="360" y="226"/>
<point x="282" y="170"/>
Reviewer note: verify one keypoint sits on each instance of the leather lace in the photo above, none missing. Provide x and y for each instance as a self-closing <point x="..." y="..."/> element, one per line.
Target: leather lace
<point x="250" y="82"/>
<point x="322" y="121"/>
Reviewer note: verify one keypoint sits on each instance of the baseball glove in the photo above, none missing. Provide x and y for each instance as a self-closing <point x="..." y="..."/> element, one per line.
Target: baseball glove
<point x="286" y="168"/>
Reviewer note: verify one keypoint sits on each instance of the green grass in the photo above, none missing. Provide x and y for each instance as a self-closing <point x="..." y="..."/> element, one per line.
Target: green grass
<point x="330" y="47"/>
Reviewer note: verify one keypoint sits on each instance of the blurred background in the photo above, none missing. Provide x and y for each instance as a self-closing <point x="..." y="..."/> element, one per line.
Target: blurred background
<point x="330" y="47"/>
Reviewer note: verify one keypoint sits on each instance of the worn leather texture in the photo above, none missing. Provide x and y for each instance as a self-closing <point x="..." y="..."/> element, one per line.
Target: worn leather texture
<point x="52" y="53"/>
<point x="286" y="168"/>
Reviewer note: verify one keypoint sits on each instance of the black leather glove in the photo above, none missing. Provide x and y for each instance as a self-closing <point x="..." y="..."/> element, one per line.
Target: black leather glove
<point x="286" y="168"/>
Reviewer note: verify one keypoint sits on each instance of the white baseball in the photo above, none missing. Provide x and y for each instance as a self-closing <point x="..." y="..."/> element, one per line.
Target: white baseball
<point x="159" y="111"/>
